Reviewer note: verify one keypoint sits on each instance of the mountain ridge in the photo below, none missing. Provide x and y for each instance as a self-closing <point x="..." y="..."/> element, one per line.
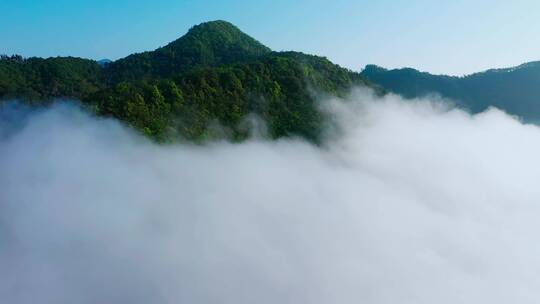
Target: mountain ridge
<point x="216" y="74"/>
<point x="515" y="90"/>
<point x="528" y="64"/>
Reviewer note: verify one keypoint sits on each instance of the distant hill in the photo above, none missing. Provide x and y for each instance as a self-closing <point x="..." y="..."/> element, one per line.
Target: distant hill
<point x="515" y="90"/>
<point x="104" y="62"/>
<point x="213" y="75"/>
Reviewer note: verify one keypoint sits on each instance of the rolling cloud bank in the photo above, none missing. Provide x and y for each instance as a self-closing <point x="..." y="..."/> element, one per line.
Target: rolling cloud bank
<point x="413" y="202"/>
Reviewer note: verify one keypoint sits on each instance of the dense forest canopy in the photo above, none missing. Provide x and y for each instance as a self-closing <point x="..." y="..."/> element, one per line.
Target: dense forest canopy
<point x="35" y="79"/>
<point x="213" y="75"/>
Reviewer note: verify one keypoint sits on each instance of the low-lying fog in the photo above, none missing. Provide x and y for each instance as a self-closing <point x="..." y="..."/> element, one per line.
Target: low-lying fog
<point x="413" y="202"/>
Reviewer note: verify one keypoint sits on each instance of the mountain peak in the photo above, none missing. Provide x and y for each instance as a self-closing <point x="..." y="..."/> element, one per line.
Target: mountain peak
<point x="214" y="25"/>
<point x="210" y="43"/>
<point x="219" y="36"/>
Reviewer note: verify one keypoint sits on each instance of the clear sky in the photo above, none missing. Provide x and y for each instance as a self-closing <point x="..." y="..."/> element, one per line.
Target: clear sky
<point x="451" y="37"/>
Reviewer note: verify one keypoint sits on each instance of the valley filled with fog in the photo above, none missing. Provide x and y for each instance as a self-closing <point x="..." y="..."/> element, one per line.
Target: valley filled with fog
<point x="404" y="201"/>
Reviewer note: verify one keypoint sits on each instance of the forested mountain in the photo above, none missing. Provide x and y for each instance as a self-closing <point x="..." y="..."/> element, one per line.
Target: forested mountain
<point x="205" y="45"/>
<point x="216" y="75"/>
<point x="515" y="90"/>
<point x="213" y="75"/>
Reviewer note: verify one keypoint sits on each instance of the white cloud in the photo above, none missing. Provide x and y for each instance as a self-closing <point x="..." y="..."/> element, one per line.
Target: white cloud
<point x="413" y="203"/>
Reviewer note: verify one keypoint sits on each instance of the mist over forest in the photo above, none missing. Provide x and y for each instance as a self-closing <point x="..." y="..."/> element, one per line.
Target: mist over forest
<point x="403" y="200"/>
<point x="216" y="170"/>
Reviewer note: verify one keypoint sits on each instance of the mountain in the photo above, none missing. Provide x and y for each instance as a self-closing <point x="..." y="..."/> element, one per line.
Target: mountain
<point x="515" y="90"/>
<point x="214" y="75"/>
<point x="208" y="44"/>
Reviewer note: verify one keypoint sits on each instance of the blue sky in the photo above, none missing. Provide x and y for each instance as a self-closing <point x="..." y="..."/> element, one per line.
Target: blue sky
<point x="451" y="37"/>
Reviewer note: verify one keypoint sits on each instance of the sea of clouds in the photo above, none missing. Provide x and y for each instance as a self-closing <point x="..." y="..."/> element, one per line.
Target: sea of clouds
<point x="404" y="202"/>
